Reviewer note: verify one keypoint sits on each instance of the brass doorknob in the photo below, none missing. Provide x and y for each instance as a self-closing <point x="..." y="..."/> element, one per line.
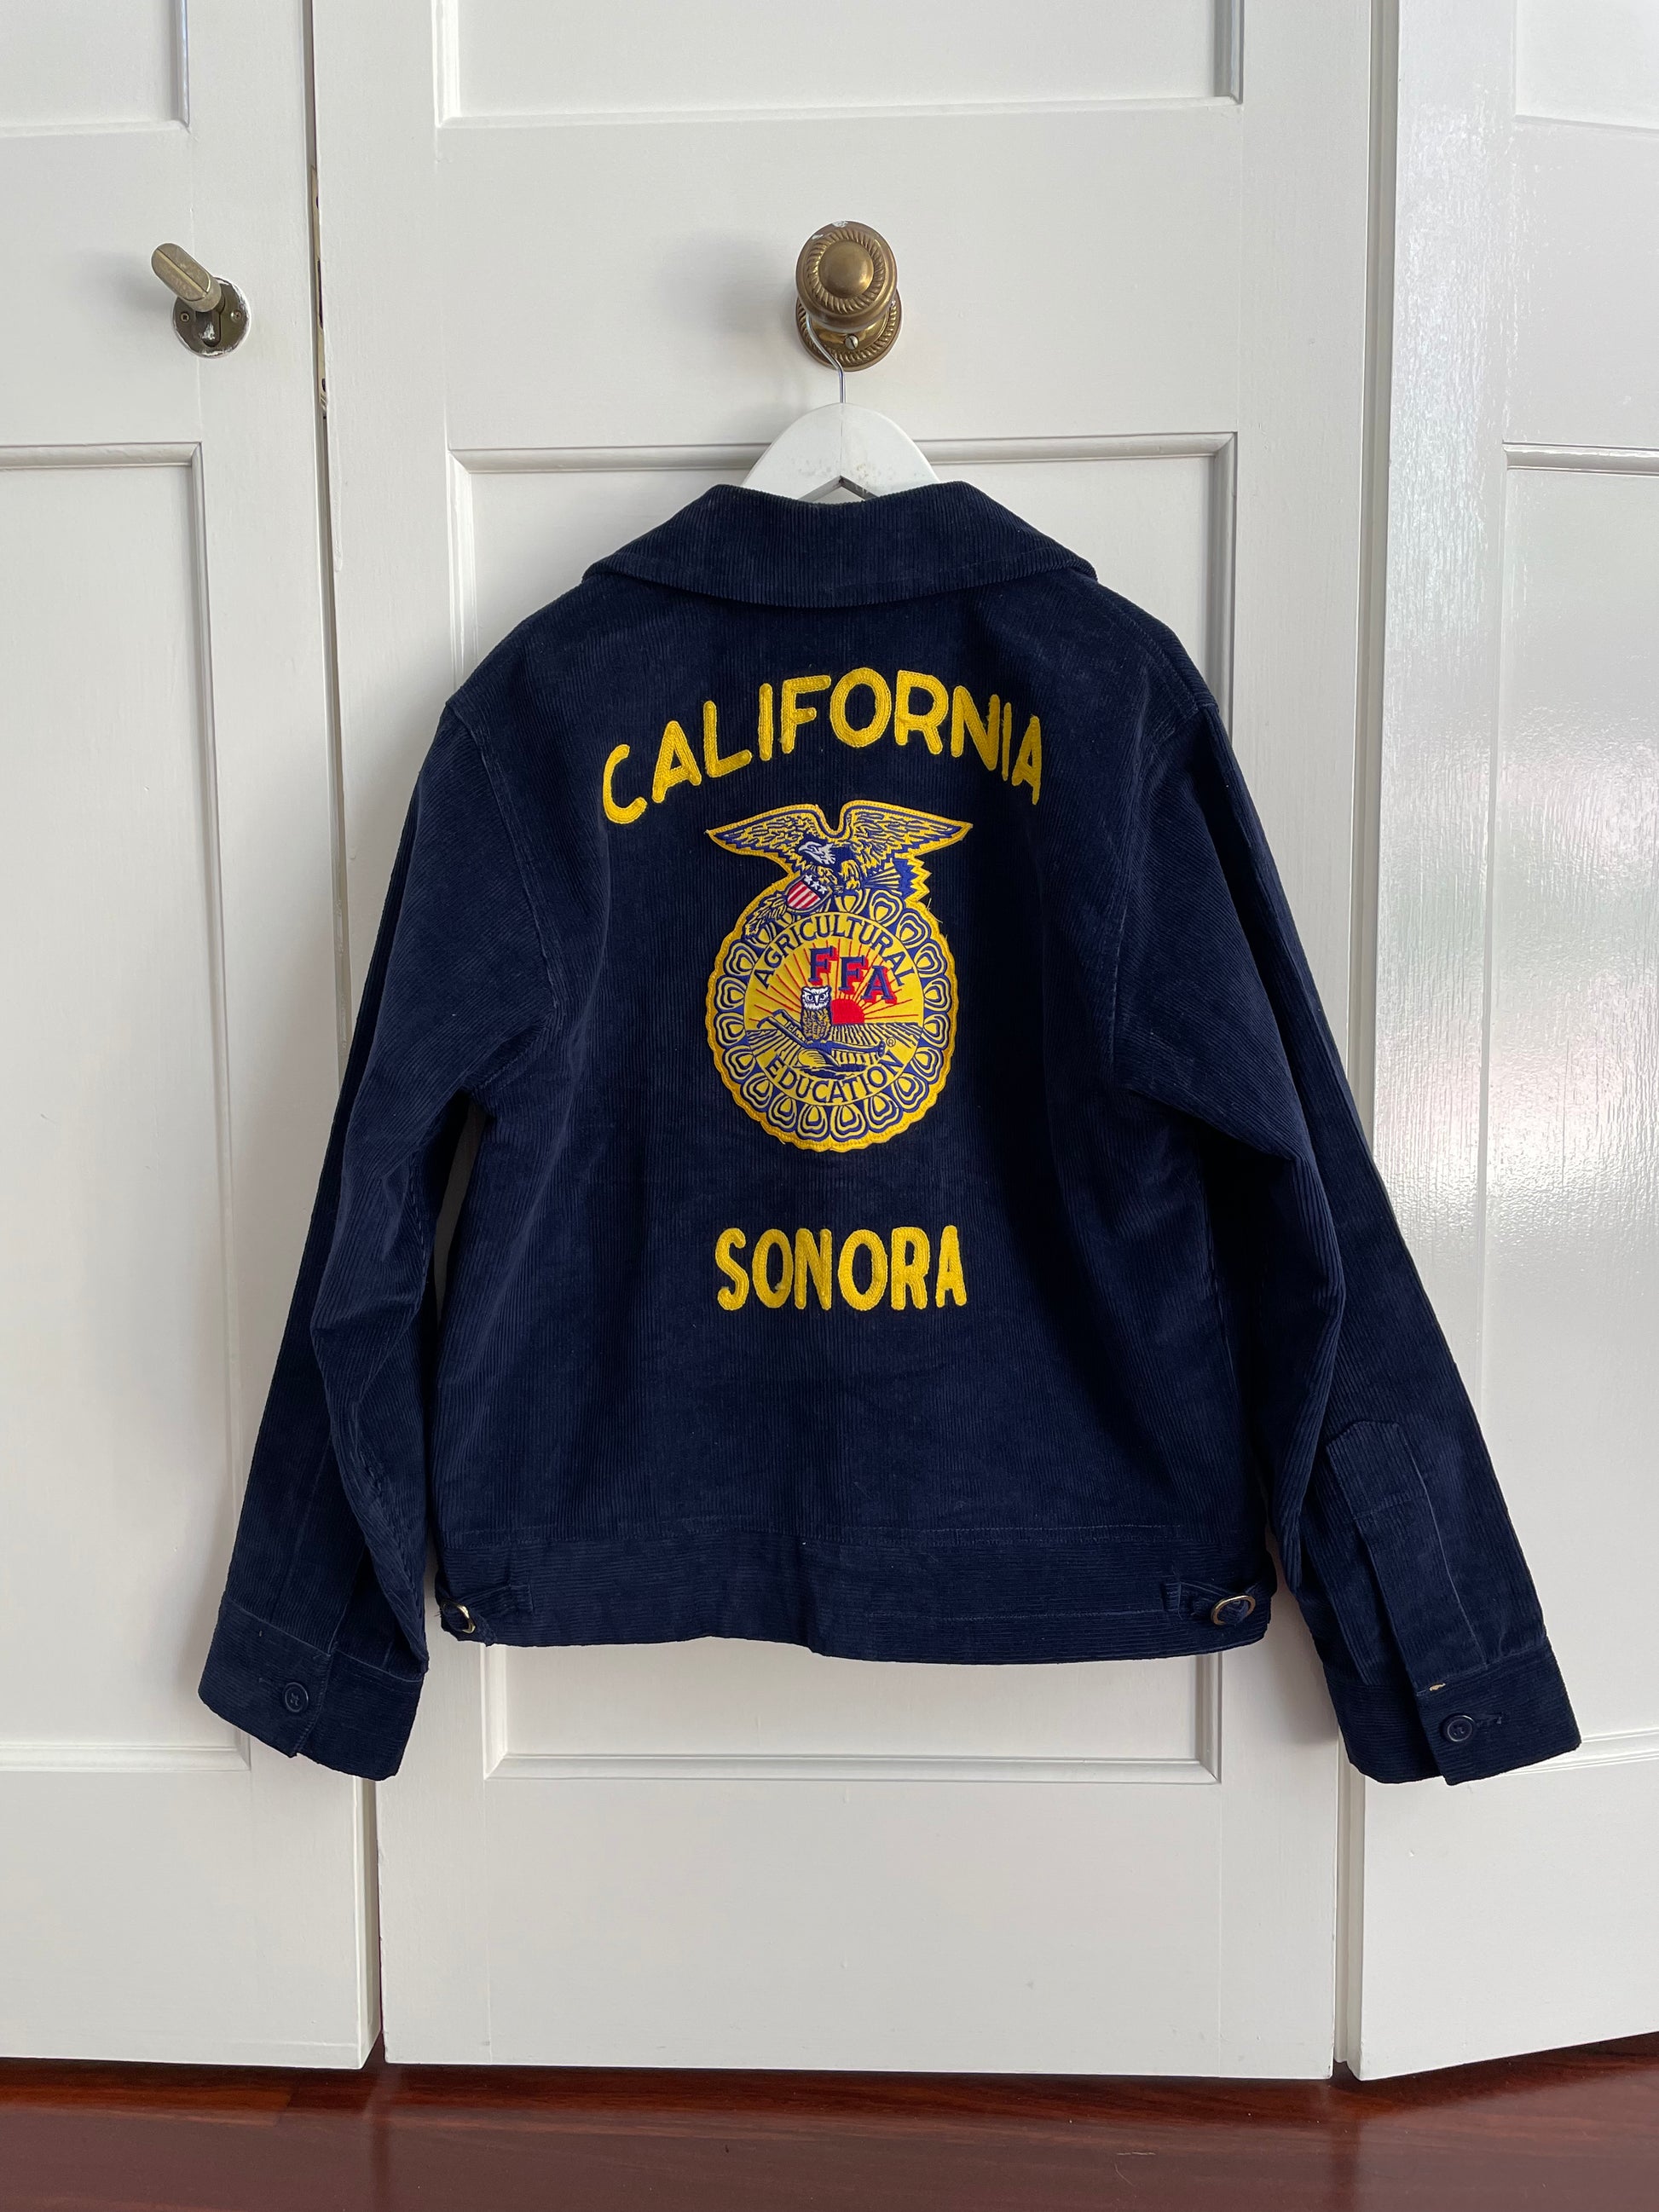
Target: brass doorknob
<point x="847" y="301"/>
<point x="211" y="315"/>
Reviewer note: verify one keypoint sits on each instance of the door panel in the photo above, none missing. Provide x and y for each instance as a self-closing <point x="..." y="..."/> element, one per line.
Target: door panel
<point x="111" y="809"/>
<point x="170" y="1890"/>
<point x="89" y="65"/>
<point x="558" y="306"/>
<point x="1518" y="980"/>
<point x="511" y="57"/>
<point x="723" y="1708"/>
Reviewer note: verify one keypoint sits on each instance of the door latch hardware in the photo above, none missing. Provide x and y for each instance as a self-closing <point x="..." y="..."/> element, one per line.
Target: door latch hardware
<point x="210" y="314"/>
<point x="847" y="301"/>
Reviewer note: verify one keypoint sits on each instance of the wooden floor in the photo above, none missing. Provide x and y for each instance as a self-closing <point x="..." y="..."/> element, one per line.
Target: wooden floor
<point x="1576" y="2130"/>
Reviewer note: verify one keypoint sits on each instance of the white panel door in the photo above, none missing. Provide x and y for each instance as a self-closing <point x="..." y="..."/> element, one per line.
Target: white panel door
<point x="168" y="1890"/>
<point x="557" y="249"/>
<point x="1517" y="1112"/>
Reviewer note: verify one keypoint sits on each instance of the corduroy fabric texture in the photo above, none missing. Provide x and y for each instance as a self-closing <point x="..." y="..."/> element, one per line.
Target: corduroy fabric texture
<point x="962" y="1258"/>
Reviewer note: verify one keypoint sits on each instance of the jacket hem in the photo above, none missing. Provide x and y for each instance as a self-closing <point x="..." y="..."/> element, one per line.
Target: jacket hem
<point x="916" y="1599"/>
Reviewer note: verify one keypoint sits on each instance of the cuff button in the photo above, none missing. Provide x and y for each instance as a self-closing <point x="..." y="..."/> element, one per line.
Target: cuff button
<point x="296" y="1697"/>
<point x="1458" y="1728"/>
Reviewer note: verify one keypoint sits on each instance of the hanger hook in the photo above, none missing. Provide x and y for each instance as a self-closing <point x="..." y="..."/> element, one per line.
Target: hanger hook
<point x="828" y="360"/>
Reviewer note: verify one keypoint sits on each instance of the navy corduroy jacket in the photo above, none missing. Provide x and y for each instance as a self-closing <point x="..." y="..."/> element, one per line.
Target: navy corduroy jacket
<point x="919" y="1212"/>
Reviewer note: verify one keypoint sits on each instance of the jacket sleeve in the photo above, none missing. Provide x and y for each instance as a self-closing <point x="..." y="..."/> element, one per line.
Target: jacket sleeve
<point x="320" y="1644"/>
<point x="1393" y="1530"/>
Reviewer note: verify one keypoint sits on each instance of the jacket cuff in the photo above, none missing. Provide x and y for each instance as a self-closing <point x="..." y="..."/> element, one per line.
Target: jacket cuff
<point x="336" y="1710"/>
<point x="1511" y="1715"/>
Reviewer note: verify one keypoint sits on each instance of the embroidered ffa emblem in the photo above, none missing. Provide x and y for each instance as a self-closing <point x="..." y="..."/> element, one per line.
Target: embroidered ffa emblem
<point x="832" y="1008"/>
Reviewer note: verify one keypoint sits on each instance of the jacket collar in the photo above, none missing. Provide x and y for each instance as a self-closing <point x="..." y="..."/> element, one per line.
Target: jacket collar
<point x="753" y="546"/>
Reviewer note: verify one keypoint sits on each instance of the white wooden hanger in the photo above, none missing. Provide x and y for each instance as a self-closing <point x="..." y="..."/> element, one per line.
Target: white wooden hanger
<point x="839" y="447"/>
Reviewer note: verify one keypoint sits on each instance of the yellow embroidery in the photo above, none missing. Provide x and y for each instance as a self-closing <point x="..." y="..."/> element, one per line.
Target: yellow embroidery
<point x="965" y="723"/>
<point x="911" y="1253"/>
<point x="853" y="733"/>
<point x="737" y="1284"/>
<point x="636" y="807"/>
<point x="832" y="1006"/>
<point x="862" y="1240"/>
<point x="867" y="1269"/>
<point x="913" y="704"/>
<point x="907" y="723"/>
<point x="1028" y="768"/>
<point x="768" y="1293"/>
<point x="813" y="1261"/>
<point x="716" y="762"/>
<point x="764" y="722"/>
<point x="791" y="714"/>
<point x="950" y="1277"/>
<point x="676" y="763"/>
